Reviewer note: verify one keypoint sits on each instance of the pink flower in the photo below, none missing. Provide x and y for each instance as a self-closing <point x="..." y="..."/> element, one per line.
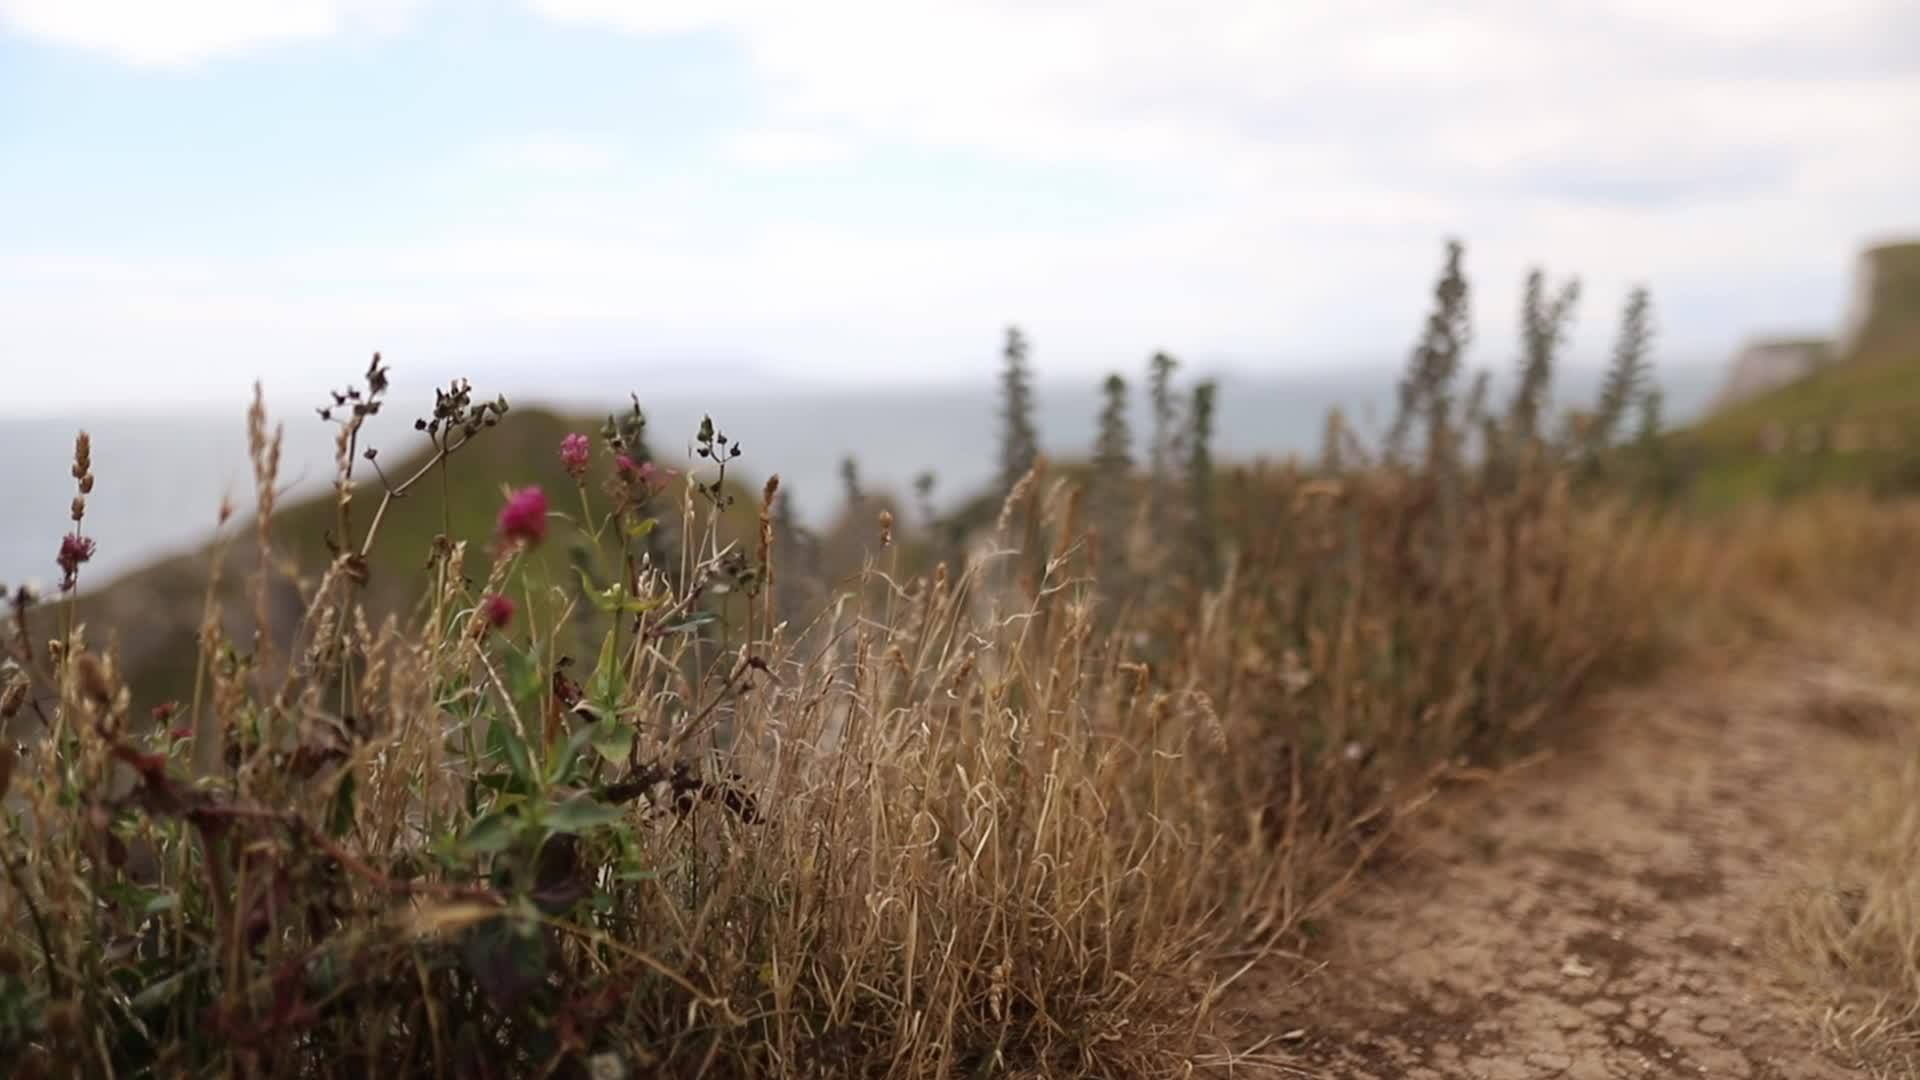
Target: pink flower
<point x="574" y="451"/>
<point x="524" y="518"/>
<point x="497" y="610"/>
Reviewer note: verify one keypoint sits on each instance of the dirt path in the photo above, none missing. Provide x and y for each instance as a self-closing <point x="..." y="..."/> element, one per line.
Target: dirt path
<point x="1601" y="915"/>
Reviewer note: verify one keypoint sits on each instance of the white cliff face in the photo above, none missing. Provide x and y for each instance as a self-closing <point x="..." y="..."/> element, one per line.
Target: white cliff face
<point x="1764" y="365"/>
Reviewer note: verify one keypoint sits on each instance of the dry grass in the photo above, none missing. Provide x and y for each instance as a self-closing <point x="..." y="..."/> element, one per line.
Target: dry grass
<point x="923" y="837"/>
<point x="1835" y="576"/>
<point x="686" y="815"/>
<point x="1853" y="934"/>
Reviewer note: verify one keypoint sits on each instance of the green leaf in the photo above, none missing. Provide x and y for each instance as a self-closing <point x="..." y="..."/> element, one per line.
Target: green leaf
<point x="580" y="813"/>
<point x="160" y="992"/>
<point x="508" y="742"/>
<point x="562" y="762"/>
<point x="691" y="622"/>
<point x="340" y="814"/>
<point x="523" y="674"/>
<point x="611" y="740"/>
<point x="601" y="683"/>
<point x="605" y="599"/>
<point x="643" y="528"/>
<point x="587" y="584"/>
<point x="491" y="834"/>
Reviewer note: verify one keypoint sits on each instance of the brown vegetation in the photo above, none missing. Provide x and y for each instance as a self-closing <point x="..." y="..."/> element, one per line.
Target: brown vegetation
<point x="995" y="804"/>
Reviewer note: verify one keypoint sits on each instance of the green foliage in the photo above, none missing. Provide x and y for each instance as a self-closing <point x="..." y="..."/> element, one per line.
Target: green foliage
<point x="1112" y="487"/>
<point x="1165" y="449"/>
<point x="1113" y="446"/>
<point x="1545" y="323"/>
<point x="1426" y="391"/>
<point x="1626" y="382"/>
<point x="1019" y="442"/>
<point x="1203" y="536"/>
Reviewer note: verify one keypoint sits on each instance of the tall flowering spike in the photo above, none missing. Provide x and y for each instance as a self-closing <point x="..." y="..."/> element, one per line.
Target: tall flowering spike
<point x="574" y="451"/>
<point x="524" y="518"/>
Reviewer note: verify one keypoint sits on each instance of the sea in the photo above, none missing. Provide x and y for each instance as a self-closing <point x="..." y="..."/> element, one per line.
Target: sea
<point x="161" y="474"/>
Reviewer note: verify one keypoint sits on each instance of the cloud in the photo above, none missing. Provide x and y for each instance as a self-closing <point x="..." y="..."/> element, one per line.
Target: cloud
<point x="1702" y="146"/>
<point x="184" y="33"/>
<point x="554" y="154"/>
<point x="1728" y="154"/>
<point x="774" y="148"/>
<point x="1648" y="90"/>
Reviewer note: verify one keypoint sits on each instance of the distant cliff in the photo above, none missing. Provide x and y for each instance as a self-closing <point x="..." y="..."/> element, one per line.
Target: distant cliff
<point x="1885" y="310"/>
<point x="1882" y="320"/>
<point x="1762" y="365"/>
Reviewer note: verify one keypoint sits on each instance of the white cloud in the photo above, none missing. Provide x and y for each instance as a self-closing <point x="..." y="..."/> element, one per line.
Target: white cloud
<point x="1421" y="92"/>
<point x="775" y="148"/>
<point x="1318" y="153"/>
<point x="848" y="300"/>
<point x="1684" y="143"/>
<point x="554" y="153"/>
<point x="182" y="33"/>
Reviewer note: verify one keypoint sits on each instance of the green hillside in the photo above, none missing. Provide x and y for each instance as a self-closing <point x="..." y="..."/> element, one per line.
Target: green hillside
<point x="1854" y="422"/>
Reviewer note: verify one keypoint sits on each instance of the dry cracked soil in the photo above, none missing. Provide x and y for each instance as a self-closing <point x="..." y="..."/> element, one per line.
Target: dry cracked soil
<point x="1602" y="914"/>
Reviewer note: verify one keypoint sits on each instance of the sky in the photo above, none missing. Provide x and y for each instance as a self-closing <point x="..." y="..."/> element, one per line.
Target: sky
<point x="200" y="193"/>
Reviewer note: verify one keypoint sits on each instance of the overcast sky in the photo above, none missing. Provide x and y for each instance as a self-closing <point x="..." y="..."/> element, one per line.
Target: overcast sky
<point x="199" y="192"/>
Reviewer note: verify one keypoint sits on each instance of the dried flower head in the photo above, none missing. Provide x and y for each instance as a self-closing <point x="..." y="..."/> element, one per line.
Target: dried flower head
<point x="74" y="551"/>
<point x="651" y="478"/>
<point x="497" y="610"/>
<point x="574" y="452"/>
<point x="524" y="518"/>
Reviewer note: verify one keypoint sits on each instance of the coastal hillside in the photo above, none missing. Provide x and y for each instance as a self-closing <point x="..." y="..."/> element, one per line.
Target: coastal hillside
<point x="1850" y="419"/>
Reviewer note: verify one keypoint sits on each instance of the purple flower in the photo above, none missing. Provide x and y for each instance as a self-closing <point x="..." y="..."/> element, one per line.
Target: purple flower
<point x="524" y="518"/>
<point x="497" y="610"/>
<point x="574" y="451"/>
